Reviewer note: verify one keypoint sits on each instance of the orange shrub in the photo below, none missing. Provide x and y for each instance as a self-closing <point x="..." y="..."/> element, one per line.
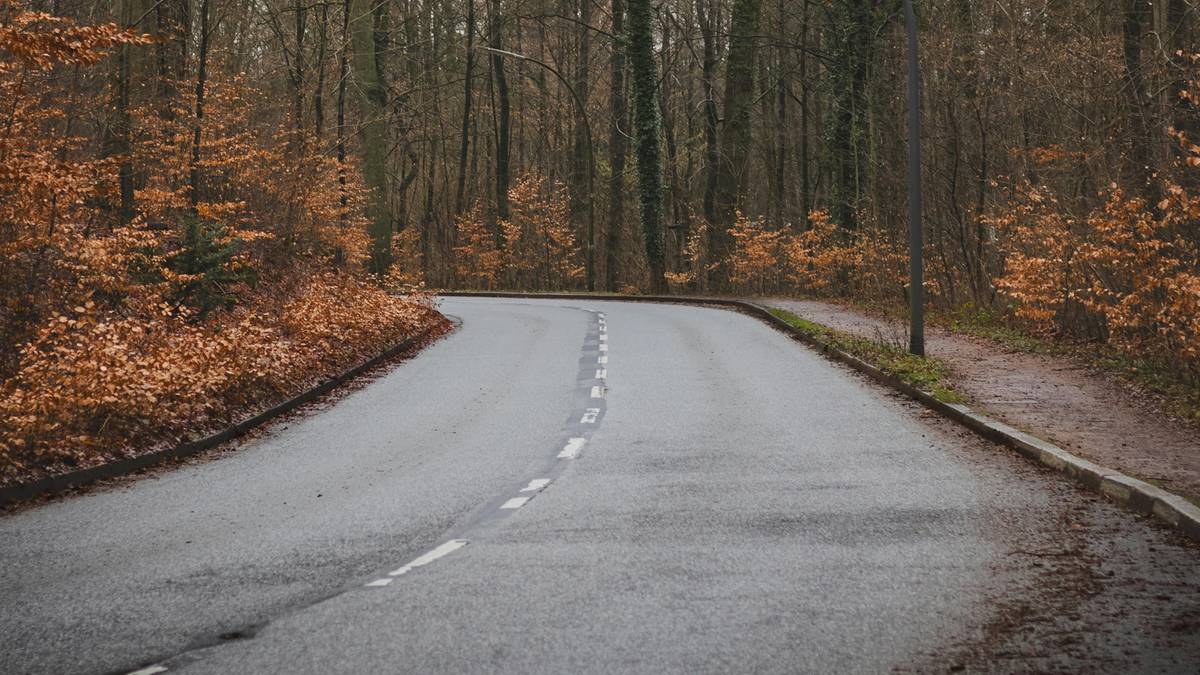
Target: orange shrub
<point x="818" y="257"/>
<point x="536" y="247"/>
<point x="1125" y="274"/>
<point x="406" y="272"/>
<point x="95" y="386"/>
<point x="540" y="250"/>
<point x="477" y="260"/>
<point x="754" y="258"/>
<point x="1039" y="242"/>
<point x="120" y="331"/>
<point x="694" y="261"/>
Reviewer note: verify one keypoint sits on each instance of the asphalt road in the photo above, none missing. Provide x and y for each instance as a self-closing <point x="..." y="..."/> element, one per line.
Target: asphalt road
<point x="567" y="486"/>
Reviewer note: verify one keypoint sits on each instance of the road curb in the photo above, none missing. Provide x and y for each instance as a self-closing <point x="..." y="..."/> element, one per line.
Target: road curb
<point x="1136" y="495"/>
<point x="66" y="481"/>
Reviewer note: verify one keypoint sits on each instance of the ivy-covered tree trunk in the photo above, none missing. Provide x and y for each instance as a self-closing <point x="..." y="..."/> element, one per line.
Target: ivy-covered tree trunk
<point x="736" y="135"/>
<point x="365" y="16"/>
<point x="647" y="145"/>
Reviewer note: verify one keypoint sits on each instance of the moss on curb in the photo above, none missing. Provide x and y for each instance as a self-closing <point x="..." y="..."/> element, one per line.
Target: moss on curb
<point x="927" y="373"/>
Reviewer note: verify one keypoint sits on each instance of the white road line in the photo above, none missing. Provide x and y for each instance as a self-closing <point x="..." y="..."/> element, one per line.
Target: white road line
<point x="150" y="670"/>
<point x="603" y="359"/>
<point x="426" y="558"/>
<point x="379" y="582"/>
<point x="590" y="416"/>
<point x="604" y="337"/>
<point x="536" y="484"/>
<point x="602" y="374"/>
<point x="603" y="347"/>
<point x="514" y="503"/>
<point x="597" y="392"/>
<point x="572" y="448"/>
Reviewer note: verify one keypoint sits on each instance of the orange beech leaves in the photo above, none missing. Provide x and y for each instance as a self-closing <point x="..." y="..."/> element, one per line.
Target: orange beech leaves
<point x="820" y="261"/>
<point x="97" y="385"/>
<point x="534" y="248"/>
<point x="120" y="334"/>
<point x="1124" y="273"/>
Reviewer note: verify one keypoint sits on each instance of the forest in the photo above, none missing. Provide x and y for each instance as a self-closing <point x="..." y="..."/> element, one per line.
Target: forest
<point x="206" y="204"/>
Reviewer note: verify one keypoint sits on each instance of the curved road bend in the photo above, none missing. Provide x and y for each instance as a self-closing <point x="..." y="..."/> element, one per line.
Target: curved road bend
<point x="573" y="486"/>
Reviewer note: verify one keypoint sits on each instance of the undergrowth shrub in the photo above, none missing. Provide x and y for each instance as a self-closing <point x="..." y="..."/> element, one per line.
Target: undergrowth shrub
<point x="95" y="385"/>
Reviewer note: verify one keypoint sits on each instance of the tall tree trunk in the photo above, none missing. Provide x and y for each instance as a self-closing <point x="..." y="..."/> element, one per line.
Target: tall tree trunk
<point x="782" y="128"/>
<point x="618" y="106"/>
<point x="850" y="23"/>
<point x="1180" y="41"/>
<point x="300" y="11"/>
<point x="172" y="25"/>
<point x="672" y="209"/>
<point x="646" y="138"/>
<point x="464" y="143"/>
<point x="367" y="18"/>
<point x="319" y="92"/>
<point x="343" y="77"/>
<point x="581" y="167"/>
<point x="194" y="183"/>
<point x="805" y="183"/>
<point x="736" y="134"/>
<point x="706" y="13"/>
<point x="1136" y="13"/>
<point x="122" y="145"/>
<point x="504" y="125"/>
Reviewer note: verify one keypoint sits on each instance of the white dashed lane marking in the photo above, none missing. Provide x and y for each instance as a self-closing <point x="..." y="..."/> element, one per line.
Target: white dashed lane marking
<point x="536" y="484"/>
<point x="569" y="451"/>
<point x="422" y="560"/>
<point x="572" y="448"/>
<point x="150" y="670"/>
<point x="514" y="503"/>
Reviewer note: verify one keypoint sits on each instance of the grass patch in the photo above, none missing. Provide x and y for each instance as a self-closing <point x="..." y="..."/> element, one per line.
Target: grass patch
<point x="926" y="373"/>
<point x="979" y="322"/>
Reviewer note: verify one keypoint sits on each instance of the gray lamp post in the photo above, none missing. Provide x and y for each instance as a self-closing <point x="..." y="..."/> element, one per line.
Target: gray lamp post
<point x="916" y="271"/>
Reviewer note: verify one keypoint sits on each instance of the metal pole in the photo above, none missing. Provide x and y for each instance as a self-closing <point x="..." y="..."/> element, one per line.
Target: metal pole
<point x="916" y="271"/>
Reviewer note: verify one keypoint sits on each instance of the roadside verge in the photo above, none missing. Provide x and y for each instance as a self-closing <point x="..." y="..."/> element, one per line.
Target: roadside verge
<point x="65" y="481"/>
<point x="1136" y="495"/>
